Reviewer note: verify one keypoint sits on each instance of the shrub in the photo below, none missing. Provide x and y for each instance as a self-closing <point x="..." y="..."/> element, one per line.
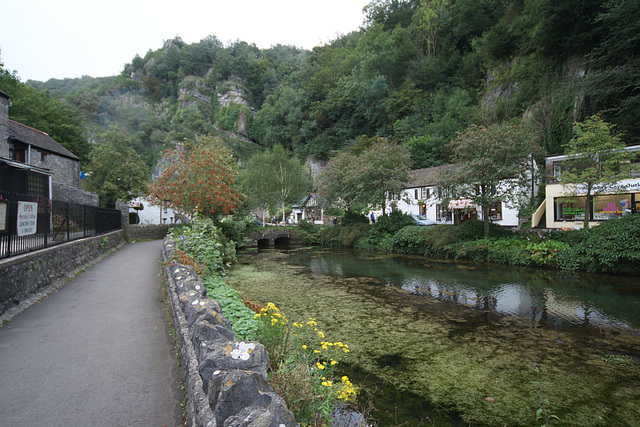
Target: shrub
<point x="474" y="229"/>
<point x="390" y="224"/>
<point x="352" y="218"/>
<point x="512" y="251"/>
<point x="612" y="245"/>
<point x="237" y="228"/>
<point x="346" y="237"/>
<point x="205" y="243"/>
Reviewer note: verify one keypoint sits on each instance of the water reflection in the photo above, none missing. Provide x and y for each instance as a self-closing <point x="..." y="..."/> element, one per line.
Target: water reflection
<point x="548" y="299"/>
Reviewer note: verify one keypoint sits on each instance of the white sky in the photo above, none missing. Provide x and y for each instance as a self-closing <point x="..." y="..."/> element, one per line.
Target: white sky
<point x="43" y="39"/>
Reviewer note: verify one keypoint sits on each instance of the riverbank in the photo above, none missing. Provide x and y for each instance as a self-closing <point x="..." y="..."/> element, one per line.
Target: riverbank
<point x="612" y="247"/>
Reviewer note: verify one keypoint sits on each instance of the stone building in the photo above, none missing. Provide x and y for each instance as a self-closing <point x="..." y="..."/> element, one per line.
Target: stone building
<point x="26" y="150"/>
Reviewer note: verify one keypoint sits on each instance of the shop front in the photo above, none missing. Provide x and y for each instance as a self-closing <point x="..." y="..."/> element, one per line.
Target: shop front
<point x="569" y="211"/>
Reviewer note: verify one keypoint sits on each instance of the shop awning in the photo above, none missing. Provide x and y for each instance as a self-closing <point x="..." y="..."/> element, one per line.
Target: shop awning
<point x="461" y="204"/>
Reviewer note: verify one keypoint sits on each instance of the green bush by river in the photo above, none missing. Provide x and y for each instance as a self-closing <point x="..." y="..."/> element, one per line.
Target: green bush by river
<point x="612" y="247"/>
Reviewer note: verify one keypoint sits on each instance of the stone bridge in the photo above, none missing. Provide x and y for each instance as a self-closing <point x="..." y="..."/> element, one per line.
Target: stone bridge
<point x="274" y="236"/>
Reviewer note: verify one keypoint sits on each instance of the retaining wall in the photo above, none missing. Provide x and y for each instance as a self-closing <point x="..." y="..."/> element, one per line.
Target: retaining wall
<point x="146" y="231"/>
<point x="225" y="380"/>
<point x="24" y="275"/>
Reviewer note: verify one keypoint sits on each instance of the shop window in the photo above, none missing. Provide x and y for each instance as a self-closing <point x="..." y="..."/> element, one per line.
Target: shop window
<point x="495" y="212"/>
<point x="443" y="213"/>
<point x="569" y="209"/>
<point x="609" y="207"/>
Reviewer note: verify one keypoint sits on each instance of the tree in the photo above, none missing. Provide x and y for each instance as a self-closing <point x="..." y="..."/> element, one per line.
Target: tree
<point x="597" y="162"/>
<point x="291" y="179"/>
<point x="275" y="178"/>
<point x="39" y="110"/>
<point x="492" y="165"/>
<point x="117" y="172"/>
<point x="200" y="178"/>
<point x="368" y="180"/>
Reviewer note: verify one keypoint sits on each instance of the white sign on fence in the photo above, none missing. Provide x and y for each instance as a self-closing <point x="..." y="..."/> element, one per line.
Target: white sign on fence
<point x="27" y="218"/>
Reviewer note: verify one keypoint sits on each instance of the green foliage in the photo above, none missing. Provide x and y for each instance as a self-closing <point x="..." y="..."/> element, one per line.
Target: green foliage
<point x="237" y="228"/>
<point x="474" y="229"/>
<point x="352" y="218"/>
<point x="491" y="165"/>
<point x="205" y="243"/>
<point x="344" y="236"/>
<point x="610" y="247"/>
<point x="117" y="171"/>
<point x="597" y="162"/>
<point x="40" y="110"/>
<point x="242" y="319"/>
<point x="356" y="182"/>
<point x="513" y="251"/>
<point x="274" y="178"/>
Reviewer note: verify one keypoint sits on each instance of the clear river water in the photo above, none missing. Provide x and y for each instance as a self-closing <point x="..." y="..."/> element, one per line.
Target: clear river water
<point x="450" y="343"/>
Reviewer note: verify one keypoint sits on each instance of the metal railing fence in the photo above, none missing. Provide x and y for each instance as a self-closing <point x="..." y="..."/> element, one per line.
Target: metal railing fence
<point x="56" y="222"/>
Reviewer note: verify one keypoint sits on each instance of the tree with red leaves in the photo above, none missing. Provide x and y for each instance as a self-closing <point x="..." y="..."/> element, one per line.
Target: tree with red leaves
<point x="200" y="178"/>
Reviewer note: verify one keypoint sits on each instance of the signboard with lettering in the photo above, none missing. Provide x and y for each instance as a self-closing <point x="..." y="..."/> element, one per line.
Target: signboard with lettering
<point x="27" y="218"/>
<point x="4" y="211"/>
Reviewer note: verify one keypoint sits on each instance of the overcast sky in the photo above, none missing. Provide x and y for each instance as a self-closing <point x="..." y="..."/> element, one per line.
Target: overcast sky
<point x="43" y="39"/>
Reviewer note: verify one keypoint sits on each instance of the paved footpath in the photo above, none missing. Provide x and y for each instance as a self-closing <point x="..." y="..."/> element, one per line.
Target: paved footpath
<point x="97" y="352"/>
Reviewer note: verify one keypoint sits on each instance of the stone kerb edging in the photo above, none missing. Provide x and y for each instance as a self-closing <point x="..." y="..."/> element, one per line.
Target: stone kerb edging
<point x="225" y="380"/>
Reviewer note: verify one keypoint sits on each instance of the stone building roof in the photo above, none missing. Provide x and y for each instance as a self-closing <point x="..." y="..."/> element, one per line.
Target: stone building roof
<point x="38" y="139"/>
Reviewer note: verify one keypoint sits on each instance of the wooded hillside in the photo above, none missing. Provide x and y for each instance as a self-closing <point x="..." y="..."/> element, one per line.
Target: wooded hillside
<point x="417" y="72"/>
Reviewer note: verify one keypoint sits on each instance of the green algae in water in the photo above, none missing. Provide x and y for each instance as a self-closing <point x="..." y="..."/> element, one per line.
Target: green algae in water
<point x="459" y="356"/>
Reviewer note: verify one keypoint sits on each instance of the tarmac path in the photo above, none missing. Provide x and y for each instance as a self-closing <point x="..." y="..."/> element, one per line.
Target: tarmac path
<point x="97" y="352"/>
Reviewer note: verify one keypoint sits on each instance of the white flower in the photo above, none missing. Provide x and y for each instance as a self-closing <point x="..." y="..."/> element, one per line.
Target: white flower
<point x="243" y="351"/>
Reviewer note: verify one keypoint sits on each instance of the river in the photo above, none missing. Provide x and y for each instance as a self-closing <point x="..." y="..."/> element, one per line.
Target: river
<point x="446" y="343"/>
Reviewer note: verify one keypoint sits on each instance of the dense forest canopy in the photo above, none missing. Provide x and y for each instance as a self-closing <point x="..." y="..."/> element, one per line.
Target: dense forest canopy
<point x="416" y="72"/>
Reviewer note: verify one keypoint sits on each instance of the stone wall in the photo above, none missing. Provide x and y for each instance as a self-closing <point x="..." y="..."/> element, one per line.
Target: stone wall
<point x="146" y="231"/>
<point x="24" y="275"/>
<point x="225" y="380"/>
<point x="67" y="193"/>
<point x="64" y="170"/>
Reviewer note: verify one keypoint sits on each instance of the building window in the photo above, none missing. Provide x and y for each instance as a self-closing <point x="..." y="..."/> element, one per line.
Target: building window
<point x="43" y="156"/>
<point x="18" y="152"/>
<point x="495" y="212"/>
<point x="443" y="213"/>
<point x="569" y="208"/>
<point x="609" y="207"/>
<point x="602" y="208"/>
<point x="416" y="194"/>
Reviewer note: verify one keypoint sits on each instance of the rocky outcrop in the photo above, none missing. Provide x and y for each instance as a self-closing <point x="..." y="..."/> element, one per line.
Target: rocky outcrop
<point x="225" y="379"/>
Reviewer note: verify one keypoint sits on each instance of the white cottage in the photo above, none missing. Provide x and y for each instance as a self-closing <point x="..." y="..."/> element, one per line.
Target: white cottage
<point x="422" y="196"/>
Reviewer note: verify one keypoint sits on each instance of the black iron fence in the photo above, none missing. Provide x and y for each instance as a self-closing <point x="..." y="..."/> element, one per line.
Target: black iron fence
<point x="30" y="223"/>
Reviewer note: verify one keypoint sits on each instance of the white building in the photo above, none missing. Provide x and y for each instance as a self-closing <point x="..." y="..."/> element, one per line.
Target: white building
<point x="422" y="196"/>
<point x="153" y="214"/>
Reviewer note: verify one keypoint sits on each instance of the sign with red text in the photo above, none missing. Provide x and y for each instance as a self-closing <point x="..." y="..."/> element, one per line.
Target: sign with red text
<point x="27" y="218"/>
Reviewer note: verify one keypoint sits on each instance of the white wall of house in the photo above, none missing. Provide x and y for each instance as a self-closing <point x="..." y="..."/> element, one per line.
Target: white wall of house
<point x="414" y="202"/>
<point x="152" y="214"/>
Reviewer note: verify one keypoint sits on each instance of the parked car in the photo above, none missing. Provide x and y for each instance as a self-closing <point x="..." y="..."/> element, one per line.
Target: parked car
<point x="422" y="220"/>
